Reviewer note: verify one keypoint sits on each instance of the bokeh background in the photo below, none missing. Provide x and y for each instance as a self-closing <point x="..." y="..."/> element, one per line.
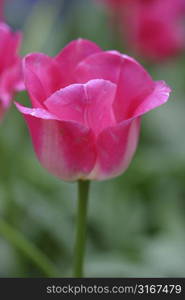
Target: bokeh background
<point x="136" y="222"/>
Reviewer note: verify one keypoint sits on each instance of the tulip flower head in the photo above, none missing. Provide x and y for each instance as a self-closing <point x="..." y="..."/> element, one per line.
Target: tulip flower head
<point x="10" y="66"/>
<point x="86" y="109"/>
<point x="153" y="28"/>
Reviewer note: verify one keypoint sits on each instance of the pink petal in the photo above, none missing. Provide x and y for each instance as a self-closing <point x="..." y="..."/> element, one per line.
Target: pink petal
<point x="99" y="113"/>
<point x="9" y="44"/>
<point x="134" y="83"/>
<point x="69" y="103"/>
<point x="12" y="48"/>
<point x="104" y="65"/>
<point x="71" y="55"/>
<point x="158" y="97"/>
<point x="89" y="104"/>
<point x="66" y="149"/>
<point x="42" y="77"/>
<point x="115" y="149"/>
<point x="11" y="81"/>
<point x="134" y="86"/>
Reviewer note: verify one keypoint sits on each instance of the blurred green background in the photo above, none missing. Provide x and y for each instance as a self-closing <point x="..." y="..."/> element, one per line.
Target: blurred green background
<point x="136" y="222"/>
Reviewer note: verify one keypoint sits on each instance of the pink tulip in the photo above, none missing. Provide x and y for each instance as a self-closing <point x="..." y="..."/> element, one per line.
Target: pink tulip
<point x="153" y="28"/>
<point x="87" y="105"/>
<point x="10" y="66"/>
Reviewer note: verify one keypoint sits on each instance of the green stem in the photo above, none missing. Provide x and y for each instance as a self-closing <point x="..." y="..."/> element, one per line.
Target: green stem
<point x="28" y="249"/>
<point x="83" y="191"/>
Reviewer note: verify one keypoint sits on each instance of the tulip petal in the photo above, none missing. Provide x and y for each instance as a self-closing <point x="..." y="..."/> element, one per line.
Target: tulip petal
<point x="42" y="77"/>
<point x="134" y="86"/>
<point x="89" y="104"/>
<point x="66" y="149"/>
<point x="104" y="65"/>
<point x="10" y="82"/>
<point x="72" y="54"/>
<point x="9" y="44"/>
<point x="69" y="103"/>
<point x="99" y="114"/>
<point x="134" y="83"/>
<point x="158" y="97"/>
<point x="115" y="149"/>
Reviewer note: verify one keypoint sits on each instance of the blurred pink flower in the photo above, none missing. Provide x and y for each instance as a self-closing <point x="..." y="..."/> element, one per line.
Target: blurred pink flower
<point x="87" y="105"/>
<point x="153" y="28"/>
<point x="10" y="66"/>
